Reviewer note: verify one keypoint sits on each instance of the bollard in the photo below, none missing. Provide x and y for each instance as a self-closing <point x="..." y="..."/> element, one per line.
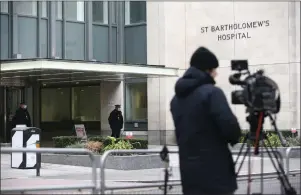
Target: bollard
<point x="38" y="167"/>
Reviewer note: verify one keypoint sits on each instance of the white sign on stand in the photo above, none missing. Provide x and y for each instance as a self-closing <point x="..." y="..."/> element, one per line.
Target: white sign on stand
<point x="80" y="131"/>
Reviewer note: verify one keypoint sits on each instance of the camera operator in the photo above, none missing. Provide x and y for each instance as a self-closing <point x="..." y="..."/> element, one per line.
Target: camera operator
<point x="205" y="125"/>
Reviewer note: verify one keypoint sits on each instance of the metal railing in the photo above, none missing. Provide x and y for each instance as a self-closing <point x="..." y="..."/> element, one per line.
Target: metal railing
<point x="104" y="187"/>
<point x="288" y="156"/>
<point x="241" y="177"/>
<point x="287" y="161"/>
<point x="92" y="186"/>
<point x="103" y="160"/>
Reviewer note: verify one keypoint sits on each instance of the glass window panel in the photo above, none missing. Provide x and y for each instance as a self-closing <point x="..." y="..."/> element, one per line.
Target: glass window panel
<point x="86" y="103"/>
<point x="55" y="104"/>
<point x="59" y="10"/>
<point x="136" y="101"/>
<point x="44" y="8"/>
<point x="100" y="11"/>
<point x="80" y="11"/>
<point x="114" y="12"/>
<point x="135" y="12"/>
<point x="75" y="10"/>
<point x="27" y="8"/>
<point x="4" y="6"/>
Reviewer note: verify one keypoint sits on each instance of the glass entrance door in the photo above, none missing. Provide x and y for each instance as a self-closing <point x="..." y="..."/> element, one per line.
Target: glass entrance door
<point x="13" y="97"/>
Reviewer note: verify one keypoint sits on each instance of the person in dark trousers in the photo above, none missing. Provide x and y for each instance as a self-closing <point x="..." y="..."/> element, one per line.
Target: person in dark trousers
<point x="204" y="127"/>
<point x="22" y="116"/>
<point x="116" y="121"/>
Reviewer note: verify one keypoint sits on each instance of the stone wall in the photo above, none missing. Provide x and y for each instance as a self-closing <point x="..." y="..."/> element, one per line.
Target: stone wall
<point x="267" y="34"/>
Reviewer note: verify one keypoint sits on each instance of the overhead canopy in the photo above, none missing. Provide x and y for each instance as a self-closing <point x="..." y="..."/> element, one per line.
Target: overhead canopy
<point x="53" y="71"/>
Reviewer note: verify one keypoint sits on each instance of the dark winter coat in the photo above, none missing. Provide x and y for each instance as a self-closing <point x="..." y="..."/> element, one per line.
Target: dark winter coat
<point x="205" y="125"/>
<point x="21" y="117"/>
<point x="116" y="120"/>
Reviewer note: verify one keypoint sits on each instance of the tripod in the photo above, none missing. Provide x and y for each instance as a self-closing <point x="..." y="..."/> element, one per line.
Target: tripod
<point x="257" y="136"/>
<point x="164" y="154"/>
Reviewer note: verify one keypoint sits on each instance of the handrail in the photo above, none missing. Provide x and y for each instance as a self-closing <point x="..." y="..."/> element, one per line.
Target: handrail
<point x="104" y="157"/>
<point x="56" y="151"/>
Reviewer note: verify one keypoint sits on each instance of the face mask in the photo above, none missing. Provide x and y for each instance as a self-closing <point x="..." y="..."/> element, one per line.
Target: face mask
<point x="118" y="109"/>
<point x="25" y="106"/>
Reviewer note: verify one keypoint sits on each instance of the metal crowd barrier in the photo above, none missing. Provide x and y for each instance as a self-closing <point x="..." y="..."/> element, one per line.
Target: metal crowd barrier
<point x="104" y="187"/>
<point x="92" y="186"/>
<point x="287" y="161"/>
<point x="288" y="156"/>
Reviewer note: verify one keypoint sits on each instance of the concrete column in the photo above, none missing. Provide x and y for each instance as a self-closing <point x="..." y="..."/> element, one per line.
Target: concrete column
<point x="28" y="93"/>
<point x="111" y="93"/>
<point x="294" y="62"/>
<point x="36" y="105"/>
<point x="156" y="111"/>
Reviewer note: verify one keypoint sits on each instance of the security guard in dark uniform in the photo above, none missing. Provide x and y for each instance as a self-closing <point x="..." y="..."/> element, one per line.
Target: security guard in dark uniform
<point x="116" y="121"/>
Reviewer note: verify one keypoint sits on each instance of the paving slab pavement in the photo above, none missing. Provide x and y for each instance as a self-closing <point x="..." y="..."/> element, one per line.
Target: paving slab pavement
<point x="53" y="174"/>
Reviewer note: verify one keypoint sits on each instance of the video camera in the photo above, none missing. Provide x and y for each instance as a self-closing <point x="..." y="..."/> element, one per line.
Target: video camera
<point x="259" y="93"/>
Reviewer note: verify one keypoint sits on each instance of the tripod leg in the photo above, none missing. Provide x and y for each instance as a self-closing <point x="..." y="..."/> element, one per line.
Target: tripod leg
<point x="289" y="190"/>
<point x="249" y="168"/>
<point x="243" y="159"/>
<point x="239" y="154"/>
<point x="262" y="167"/>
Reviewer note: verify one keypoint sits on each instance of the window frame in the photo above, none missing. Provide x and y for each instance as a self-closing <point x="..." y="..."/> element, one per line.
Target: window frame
<point x="127" y="14"/>
<point x="105" y="13"/>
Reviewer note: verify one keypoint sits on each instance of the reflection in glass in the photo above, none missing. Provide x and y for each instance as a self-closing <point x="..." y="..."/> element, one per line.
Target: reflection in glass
<point x="100" y="12"/>
<point x="59" y="10"/>
<point x="135" y="12"/>
<point x="44" y="9"/>
<point x="55" y="104"/>
<point x="86" y="103"/>
<point x="75" y="10"/>
<point x="4" y="6"/>
<point x="136" y="101"/>
<point x="26" y="8"/>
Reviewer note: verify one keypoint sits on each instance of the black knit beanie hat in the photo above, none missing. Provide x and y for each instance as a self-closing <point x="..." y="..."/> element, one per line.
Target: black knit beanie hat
<point x="203" y="59"/>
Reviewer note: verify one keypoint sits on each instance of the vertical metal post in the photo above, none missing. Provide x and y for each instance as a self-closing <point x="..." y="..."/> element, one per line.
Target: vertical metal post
<point x="89" y="30"/>
<point x="64" y="30"/>
<point x="39" y="10"/>
<point x="262" y="166"/>
<point x="287" y="160"/>
<point x="15" y="34"/>
<point x="110" y="13"/>
<point x="5" y="114"/>
<point x="120" y="32"/>
<point x="280" y="157"/>
<point x="52" y="29"/>
<point x="38" y="167"/>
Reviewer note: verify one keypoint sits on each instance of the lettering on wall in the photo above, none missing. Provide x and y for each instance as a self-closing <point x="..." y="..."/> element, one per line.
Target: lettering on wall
<point x="224" y="36"/>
